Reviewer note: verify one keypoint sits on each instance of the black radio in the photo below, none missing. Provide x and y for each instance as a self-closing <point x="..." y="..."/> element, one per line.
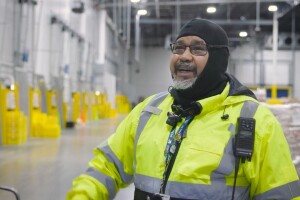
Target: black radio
<point x="244" y="140"/>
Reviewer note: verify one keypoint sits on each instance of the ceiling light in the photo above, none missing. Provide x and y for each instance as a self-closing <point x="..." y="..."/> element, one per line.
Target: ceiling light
<point x="142" y="12"/>
<point x="272" y="8"/>
<point x="243" y="34"/>
<point x="135" y="1"/>
<point x="211" y="9"/>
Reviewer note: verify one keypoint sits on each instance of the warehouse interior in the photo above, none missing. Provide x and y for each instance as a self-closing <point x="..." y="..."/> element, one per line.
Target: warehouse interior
<point x="71" y="70"/>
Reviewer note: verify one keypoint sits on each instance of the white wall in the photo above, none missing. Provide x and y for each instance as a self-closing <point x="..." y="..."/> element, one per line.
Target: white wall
<point x="249" y="72"/>
<point x="8" y="14"/>
<point x="152" y="74"/>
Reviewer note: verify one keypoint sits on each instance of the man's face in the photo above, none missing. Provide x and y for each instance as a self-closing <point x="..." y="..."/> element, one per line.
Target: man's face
<point x="186" y="67"/>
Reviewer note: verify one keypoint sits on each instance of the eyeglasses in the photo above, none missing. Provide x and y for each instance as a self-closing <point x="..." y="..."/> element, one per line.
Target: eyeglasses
<point x="196" y="50"/>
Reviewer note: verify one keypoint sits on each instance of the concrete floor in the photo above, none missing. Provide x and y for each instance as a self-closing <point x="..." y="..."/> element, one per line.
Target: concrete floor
<point x="44" y="168"/>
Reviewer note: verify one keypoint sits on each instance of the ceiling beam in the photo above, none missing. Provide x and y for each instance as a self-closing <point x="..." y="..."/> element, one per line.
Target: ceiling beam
<point x="217" y="21"/>
<point x="196" y="2"/>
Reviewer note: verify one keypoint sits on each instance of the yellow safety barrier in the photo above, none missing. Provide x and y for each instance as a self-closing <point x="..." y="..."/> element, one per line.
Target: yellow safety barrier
<point x="51" y="96"/>
<point x="273" y="94"/>
<point x="76" y="106"/>
<point x="105" y="109"/>
<point x="84" y="107"/>
<point x="42" y="124"/>
<point x="14" y="122"/>
<point x="95" y="114"/>
<point x="15" y="128"/>
<point x="274" y="99"/>
<point x="65" y="113"/>
<point x="123" y="105"/>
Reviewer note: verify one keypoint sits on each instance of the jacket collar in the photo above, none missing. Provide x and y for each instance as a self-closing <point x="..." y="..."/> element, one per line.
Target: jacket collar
<point x="234" y="92"/>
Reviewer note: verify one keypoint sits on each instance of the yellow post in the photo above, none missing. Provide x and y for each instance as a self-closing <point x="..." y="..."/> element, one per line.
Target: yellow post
<point x="274" y="99"/>
<point x="274" y="91"/>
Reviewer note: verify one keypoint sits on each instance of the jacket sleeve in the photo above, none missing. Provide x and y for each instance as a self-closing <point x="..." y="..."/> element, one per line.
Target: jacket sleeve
<point x="112" y="165"/>
<point x="271" y="172"/>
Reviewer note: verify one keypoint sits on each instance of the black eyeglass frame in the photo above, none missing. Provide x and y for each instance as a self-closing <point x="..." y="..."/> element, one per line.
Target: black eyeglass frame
<point x="208" y="47"/>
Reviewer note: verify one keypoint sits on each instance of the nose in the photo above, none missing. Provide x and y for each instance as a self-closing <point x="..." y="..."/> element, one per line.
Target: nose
<point x="187" y="55"/>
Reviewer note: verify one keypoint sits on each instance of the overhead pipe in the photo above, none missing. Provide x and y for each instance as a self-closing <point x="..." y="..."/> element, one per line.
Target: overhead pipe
<point x="61" y="55"/>
<point x="157" y="12"/>
<point x="18" y="35"/>
<point x="124" y="16"/>
<point x="119" y="16"/>
<point x="137" y="38"/>
<point x="228" y="12"/>
<point x="262" y="69"/>
<point x="275" y="52"/>
<point x="3" y="30"/>
<point x="257" y="27"/>
<point x="128" y="24"/>
<point x="293" y="34"/>
<point x="36" y="44"/>
<point x="51" y="53"/>
<point x="25" y="27"/>
<point x="178" y="17"/>
<point x="113" y="26"/>
<point x="87" y="61"/>
<point x="32" y="72"/>
<point x="218" y="21"/>
<point x="114" y="14"/>
<point x="195" y="2"/>
<point x="14" y="42"/>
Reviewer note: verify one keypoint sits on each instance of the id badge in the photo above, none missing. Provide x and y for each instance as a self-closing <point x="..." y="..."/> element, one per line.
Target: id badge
<point x="163" y="196"/>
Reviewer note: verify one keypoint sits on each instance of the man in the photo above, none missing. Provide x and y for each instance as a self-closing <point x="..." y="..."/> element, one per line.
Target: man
<point x="208" y="138"/>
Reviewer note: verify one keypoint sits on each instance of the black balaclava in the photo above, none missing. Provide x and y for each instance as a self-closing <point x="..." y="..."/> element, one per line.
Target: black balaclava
<point x="212" y="79"/>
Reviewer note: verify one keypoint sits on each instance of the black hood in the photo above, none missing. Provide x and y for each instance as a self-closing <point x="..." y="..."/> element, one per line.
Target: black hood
<point x="237" y="89"/>
<point x="212" y="79"/>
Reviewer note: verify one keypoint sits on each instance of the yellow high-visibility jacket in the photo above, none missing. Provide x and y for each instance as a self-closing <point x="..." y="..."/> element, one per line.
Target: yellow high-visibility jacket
<point x="204" y="166"/>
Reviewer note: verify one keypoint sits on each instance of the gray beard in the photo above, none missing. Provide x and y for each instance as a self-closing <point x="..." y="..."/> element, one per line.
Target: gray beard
<point x="183" y="84"/>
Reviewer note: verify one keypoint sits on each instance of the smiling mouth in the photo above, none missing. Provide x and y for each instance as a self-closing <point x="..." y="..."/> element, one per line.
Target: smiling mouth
<point x="184" y="74"/>
<point x="184" y="70"/>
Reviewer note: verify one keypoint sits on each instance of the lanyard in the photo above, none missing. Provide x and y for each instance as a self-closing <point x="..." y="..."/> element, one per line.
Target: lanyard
<point x="172" y="147"/>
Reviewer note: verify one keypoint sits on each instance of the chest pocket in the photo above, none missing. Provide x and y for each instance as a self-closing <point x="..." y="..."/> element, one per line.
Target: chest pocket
<point x="211" y="159"/>
<point x="203" y="157"/>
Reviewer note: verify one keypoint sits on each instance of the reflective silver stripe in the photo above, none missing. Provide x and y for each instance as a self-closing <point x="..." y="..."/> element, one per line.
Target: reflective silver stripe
<point x="217" y="191"/>
<point x="145" y="116"/>
<point x="126" y="178"/>
<point x="106" y="180"/>
<point x="287" y="191"/>
<point x="226" y="166"/>
<point x="182" y="190"/>
<point x="249" y="108"/>
<point x="152" y="110"/>
<point x="146" y="183"/>
<point x="146" y="113"/>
